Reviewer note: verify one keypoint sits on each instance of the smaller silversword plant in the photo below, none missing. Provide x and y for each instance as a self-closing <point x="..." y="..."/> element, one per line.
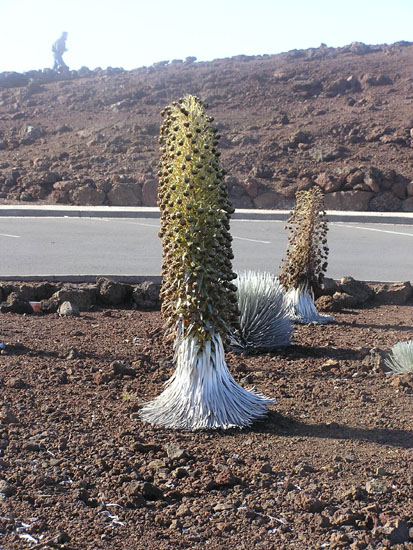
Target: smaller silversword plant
<point x="265" y="323"/>
<point x="400" y="360"/>
<point x="305" y="262"/>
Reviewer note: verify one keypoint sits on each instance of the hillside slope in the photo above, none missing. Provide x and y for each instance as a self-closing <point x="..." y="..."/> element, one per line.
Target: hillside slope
<point x="339" y="118"/>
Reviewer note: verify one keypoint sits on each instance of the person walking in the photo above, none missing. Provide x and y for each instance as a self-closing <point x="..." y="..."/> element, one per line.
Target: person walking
<point x="58" y="49"/>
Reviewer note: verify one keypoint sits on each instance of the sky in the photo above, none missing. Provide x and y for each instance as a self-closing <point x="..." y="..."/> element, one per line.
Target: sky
<point x="137" y="33"/>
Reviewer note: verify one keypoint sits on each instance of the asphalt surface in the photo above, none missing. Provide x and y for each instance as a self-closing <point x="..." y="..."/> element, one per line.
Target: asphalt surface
<point x="80" y="247"/>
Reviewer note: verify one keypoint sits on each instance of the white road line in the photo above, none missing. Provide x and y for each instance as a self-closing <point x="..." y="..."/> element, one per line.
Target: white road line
<point x="126" y="222"/>
<point x="236" y="220"/>
<point x="157" y="226"/>
<point x="251" y="240"/>
<point x="11" y="236"/>
<point x="373" y="229"/>
<point x="140" y="223"/>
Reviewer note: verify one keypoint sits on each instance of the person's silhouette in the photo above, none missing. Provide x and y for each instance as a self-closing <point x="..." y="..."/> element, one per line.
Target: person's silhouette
<point x="58" y="49"/>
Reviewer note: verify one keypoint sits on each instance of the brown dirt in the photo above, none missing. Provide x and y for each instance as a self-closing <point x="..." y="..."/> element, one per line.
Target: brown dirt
<point x="331" y="466"/>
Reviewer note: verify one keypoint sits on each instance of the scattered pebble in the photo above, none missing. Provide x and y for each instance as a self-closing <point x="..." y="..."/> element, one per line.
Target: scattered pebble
<point x="68" y="309"/>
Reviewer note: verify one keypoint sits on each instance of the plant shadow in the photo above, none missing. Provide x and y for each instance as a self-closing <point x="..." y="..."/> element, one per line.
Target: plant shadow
<point x="277" y="424"/>
<point x="400" y="328"/>
<point x="299" y="351"/>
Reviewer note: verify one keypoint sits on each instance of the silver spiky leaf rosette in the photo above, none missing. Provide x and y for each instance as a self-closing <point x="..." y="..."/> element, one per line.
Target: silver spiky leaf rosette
<point x="202" y="394"/>
<point x="265" y="323"/>
<point x="400" y="360"/>
<point x="301" y="307"/>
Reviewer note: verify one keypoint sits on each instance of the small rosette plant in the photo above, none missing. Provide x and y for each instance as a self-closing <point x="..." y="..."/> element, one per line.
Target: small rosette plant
<point x="265" y="323"/>
<point x="400" y="359"/>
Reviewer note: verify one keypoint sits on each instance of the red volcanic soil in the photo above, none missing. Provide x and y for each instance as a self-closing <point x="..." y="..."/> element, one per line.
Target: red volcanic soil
<point x="331" y="466"/>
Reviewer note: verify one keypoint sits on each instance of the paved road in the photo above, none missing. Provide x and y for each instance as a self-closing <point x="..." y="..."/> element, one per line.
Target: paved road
<point x="43" y="246"/>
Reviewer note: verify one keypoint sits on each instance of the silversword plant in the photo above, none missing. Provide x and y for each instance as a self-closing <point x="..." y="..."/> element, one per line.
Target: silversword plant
<point x="400" y="360"/>
<point x="265" y="323"/>
<point x="305" y="263"/>
<point x="198" y="294"/>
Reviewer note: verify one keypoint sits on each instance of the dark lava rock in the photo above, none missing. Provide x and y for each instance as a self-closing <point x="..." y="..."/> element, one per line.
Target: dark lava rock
<point x="397" y="531"/>
<point x="112" y="293"/>
<point x="13" y="80"/>
<point x="393" y="293"/>
<point x="358" y="289"/>
<point x="328" y="303"/>
<point x="15" y="304"/>
<point x="146" y="295"/>
<point x="6" y="489"/>
<point x="151" y="492"/>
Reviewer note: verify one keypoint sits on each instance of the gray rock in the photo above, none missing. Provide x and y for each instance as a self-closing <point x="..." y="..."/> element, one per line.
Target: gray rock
<point x="13" y="80"/>
<point x="263" y="171"/>
<point x="377" y="80"/>
<point x="49" y="306"/>
<point x="65" y="186"/>
<point x="83" y="297"/>
<point x="87" y="195"/>
<point x="327" y="183"/>
<point x="344" y="300"/>
<point x="358" y="289"/>
<point x="348" y="200"/>
<point x="6" y="489"/>
<point x="63" y="129"/>
<point x="16" y="383"/>
<point x="70" y="353"/>
<point x="407" y="205"/>
<point x="7" y="417"/>
<point x="377" y="487"/>
<point x="343" y="85"/>
<point x="397" y="531"/>
<point x="242" y="202"/>
<point x="67" y="309"/>
<point x="47" y="178"/>
<point x="36" y="292"/>
<point x="146" y="295"/>
<point x="150" y="193"/>
<point x="223" y="506"/>
<point x="174" y="451"/>
<point x="29" y="134"/>
<point x="125" y="195"/>
<point x="375" y="360"/>
<point x="272" y="199"/>
<point x="385" y="202"/>
<point x="112" y="293"/>
<point x="328" y="303"/>
<point x="308" y="87"/>
<point x="151" y="492"/>
<point x="328" y="286"/>
<point x="15" y="303"/>
<point x="327" y="154"/>
<point x="358" y="48"/>
<point x="395" y="293"/>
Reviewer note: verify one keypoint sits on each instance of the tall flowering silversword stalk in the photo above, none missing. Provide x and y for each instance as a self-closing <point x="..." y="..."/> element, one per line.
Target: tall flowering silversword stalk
<point x="305" y="262"/>
<point x="199" y="302"/>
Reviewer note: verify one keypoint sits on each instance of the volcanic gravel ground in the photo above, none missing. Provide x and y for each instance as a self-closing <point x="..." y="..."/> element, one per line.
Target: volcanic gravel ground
<point x="331" y="466"/>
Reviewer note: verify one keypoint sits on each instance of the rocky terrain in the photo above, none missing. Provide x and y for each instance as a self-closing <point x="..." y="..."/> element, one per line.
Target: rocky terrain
<point x="331" y="467"/>
<point x="338" y="118"/>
